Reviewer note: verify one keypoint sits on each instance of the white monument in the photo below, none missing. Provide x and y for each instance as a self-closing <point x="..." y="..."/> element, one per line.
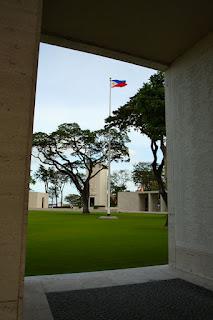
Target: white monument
<point x="98" y="188"/>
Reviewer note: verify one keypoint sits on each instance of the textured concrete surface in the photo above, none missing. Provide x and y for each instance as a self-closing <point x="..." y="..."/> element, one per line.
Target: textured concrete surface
<point x="19" y="34"/>
<point x="189" y="109"/>
<point x="35" y="303"/>
<point x="172" y="299"/>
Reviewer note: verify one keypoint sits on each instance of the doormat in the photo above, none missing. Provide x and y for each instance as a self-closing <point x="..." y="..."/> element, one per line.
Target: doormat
<point x="173" y="299"/>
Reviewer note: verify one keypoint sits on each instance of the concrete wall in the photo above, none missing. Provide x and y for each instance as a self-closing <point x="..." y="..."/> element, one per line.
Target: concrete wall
<point x="19" y="34"/>
<point x="37" y="199"/>
<point x="189" y="108"/>
<point x="129" y="201"/>
<point x="136" y="201"/>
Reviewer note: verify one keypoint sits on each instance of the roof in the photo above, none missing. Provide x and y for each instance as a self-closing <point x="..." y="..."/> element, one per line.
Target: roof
<point x="150" y="33"/>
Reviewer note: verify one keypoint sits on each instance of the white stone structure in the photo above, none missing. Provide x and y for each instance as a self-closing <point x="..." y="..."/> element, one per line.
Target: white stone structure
<point x="38" y="200"/>
<point x="98" y="188"/>
<point x="149" y="201"/>
<point x="189" y="108"/>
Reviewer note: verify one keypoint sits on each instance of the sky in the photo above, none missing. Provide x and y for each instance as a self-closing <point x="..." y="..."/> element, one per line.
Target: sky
<point x="73" y="86"/>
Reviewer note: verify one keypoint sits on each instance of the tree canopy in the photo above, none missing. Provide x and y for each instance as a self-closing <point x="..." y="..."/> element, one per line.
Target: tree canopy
<point x="74" y="200"/>
<point x="44" y="175"/>
<point x="145" y="111"/>
<point x="143" y="176"/>
<point x="119" y="181"/>
<point x="75" y="152"/>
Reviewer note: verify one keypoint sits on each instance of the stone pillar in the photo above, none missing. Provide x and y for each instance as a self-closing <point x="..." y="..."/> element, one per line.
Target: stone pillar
<point x="189" y="112"/>
<point x="150" y="203"/>
<point x="20" y="34"/>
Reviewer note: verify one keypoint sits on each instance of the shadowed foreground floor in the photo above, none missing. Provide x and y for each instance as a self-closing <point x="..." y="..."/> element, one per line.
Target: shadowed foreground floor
<point x="173" y="299"/>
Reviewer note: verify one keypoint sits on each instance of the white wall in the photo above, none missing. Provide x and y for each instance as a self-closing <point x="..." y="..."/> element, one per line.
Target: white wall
<point x="189" y="108"/>
<point x="35" y="200"/>
<point x="98" y="186"/>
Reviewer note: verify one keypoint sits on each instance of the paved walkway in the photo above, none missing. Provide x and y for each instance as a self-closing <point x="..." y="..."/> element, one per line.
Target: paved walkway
<point x="35" y="302"/>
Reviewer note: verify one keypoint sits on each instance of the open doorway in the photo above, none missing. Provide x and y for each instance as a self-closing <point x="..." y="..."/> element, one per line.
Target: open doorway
<point x="92" y="201"/>
<point x="74" y="98"/>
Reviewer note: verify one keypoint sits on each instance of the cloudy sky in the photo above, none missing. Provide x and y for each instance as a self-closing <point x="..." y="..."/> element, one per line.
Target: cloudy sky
<point x="73" y="86"/>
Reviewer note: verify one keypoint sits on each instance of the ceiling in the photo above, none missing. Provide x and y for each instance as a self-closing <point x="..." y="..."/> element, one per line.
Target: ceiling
<point x="151" y="33"/>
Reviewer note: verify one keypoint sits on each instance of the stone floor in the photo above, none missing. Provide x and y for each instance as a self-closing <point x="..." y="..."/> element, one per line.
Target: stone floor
<point x="36" y="306"/>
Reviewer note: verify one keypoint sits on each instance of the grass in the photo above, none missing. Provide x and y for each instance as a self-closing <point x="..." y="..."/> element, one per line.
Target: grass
<point x="65" y="242"/>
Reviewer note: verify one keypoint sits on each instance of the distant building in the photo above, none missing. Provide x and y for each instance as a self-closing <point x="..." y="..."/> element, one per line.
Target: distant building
<point x="38" y="200"/>
<point x="98" y="188"/>
<point x="150" y="201"/>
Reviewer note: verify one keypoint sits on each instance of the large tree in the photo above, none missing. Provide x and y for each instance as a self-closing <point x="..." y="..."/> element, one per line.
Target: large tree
<point x="75" y="152"/>
<point x="145" y="112"/>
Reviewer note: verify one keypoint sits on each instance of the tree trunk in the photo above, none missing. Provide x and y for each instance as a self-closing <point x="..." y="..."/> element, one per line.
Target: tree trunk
<point x="85" y="198"/>
<point x="85" y="206"/>
<point x="158" y="173"/>
<point x="162" y="192"/>
<point x="56" y="199"/>
<point x="61" y="199"/>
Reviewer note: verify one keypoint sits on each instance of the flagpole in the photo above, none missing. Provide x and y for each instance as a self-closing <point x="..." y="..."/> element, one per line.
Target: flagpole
<point x="109" y="156"/>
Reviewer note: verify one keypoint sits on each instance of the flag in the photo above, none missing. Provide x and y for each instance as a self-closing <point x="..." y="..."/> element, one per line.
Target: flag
<point x="118" y="83"/>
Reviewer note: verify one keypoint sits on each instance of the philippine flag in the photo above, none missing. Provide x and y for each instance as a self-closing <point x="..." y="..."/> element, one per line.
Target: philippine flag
<point x="118" y="83"/>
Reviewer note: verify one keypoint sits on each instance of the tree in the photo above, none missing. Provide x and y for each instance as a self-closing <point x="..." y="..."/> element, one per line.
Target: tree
<point x="74" y="200"/>
<point x="119" y="181"/>
<point x="53" y="178"/>
<point x="145" y="112"/>
<point x="58" y="180"/>
<point x="75" y="152"/>
<point x="53" y="193"/>
<point x="143" y="175"/>
<point x="45" y="175"/>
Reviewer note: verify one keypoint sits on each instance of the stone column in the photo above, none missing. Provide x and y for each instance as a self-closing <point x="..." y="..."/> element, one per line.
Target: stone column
<point x="150" y="203"/>
<point x="189" y="112"/>
<point x="20" y="34"/>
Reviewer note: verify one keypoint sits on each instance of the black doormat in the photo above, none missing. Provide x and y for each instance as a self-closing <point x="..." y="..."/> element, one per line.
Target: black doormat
<point x="158" y="300"/>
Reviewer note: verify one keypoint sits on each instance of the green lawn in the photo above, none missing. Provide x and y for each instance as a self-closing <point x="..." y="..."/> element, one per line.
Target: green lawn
<point x="64" y="242"/>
